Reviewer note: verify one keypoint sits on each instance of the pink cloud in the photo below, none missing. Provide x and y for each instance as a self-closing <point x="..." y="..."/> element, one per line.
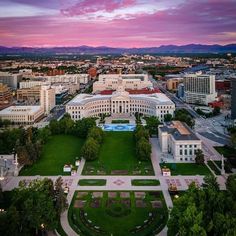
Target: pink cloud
<point x="91" y="6"/>
<point x="200" y="21"/>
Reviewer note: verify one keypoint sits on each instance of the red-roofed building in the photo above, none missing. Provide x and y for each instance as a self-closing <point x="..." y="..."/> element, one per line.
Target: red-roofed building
<point x="131" y="91"/>
<point x="216" y="104"/>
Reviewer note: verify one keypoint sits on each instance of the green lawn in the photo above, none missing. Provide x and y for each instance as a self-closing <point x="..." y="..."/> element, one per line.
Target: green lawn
<point x="59" y="150"/>
<point x="187" y="169"/>
<point x="118" y="153"/>
<point x="86" y="220"/>
<point x="226" y="151"/>
<point x="92" y="182"/>
<point x="230" y="154"/>
<point x="213" y="167"/>
<point x="145" y="182"/>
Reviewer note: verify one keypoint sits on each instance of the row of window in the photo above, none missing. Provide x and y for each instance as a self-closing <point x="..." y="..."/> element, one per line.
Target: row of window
<point x="187" y="152"/>
<point x="186" y="146"/>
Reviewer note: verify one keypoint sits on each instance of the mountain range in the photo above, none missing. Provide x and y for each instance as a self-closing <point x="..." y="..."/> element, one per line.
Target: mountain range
<point x="190" y="48"/>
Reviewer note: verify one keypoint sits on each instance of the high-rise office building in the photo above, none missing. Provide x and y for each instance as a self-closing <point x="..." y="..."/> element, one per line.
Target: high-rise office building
<point x="199" y="88"/>
<point x="47" y="98"/>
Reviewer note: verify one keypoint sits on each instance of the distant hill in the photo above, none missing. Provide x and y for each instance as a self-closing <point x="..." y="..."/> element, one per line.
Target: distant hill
<point x="190" y="48"/>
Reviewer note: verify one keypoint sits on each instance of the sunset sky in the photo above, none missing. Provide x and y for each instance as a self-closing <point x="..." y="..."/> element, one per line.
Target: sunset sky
<point x="116" y="23"/>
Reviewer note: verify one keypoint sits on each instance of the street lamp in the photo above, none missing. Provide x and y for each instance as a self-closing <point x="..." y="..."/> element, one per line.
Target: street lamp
<point x="5" y="161"/>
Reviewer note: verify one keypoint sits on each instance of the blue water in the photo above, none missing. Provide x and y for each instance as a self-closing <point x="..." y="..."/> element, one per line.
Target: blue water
<point x="118" y="127"/>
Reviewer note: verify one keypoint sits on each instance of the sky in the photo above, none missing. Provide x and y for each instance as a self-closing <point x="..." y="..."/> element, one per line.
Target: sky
<point x="116" y="23"/>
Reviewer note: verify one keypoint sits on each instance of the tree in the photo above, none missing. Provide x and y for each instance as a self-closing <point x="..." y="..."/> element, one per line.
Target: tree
<point x="152" y="124"/>
<point x="216" y="111"/>
<point x="23" y="157"/>
<point x="167" y="117"/>
<point x="54" y="127"/>
<point x="233" y="139"/>
<point x="205" y="211"/>
<point x="140" y="132"/>
<point x="82" y="126"/>
<point x="66" y="124"/>
<point x="35" y="205"/>
<point x="97" y="134"/>
<point x="199" y="157"/>
<point x="184" y="116"/>
<point x="211" y="183"/>
<point x="143" y="149"/>
<point x="61" y="203"/>
<point x="90" y="149"/>
<point x="44" y="135"/>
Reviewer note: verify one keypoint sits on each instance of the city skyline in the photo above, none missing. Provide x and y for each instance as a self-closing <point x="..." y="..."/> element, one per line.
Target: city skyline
<point x="116" y="23"/>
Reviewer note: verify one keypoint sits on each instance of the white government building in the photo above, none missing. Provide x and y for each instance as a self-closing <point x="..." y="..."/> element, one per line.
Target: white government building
<point x="178" y="140"/>
<point x="129" y="81"/>
<point x="120" y="104"/>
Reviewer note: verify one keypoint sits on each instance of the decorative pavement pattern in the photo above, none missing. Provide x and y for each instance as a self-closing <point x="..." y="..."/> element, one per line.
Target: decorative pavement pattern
<point x="118" y="182"/>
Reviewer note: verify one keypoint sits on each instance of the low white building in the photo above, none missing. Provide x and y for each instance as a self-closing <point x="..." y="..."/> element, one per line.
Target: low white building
<point x="120" y="104"/>
<point x="179" y="140"/>
<point x="22" y="114"/>
<point x="129" y="81"/>
<point x="11" y="80"/>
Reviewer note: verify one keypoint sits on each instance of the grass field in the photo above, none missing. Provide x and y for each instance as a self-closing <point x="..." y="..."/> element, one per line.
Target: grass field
<point x="226" y="151"/>
<point x="92" y="182"/>
<point x="187" y="169"/>
<point x="213" y="167"/>
<point x="118" y="153"/>
<point x="59" y="150"/>
<point x="97" y="221"/>
<point x="145" y="182"/>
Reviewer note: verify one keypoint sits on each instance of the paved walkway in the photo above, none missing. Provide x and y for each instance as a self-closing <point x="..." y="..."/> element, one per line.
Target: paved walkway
<point x="118" y="183"/>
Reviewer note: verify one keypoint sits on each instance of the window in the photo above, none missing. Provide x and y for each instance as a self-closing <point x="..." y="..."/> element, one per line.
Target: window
<point x="190" y="152"/>
<point x="185" y="152"/>
<point x="181" y="152"/>
<point x="186" y="158"/>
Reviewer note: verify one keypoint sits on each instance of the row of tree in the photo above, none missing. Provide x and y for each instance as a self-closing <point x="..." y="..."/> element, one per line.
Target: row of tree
<point x="143" y="146"/>
<point x="4" y="123"/>
<point x="91" y="147"/>
<point x="152" y="124"/>
<point x="25" y="142"/>
<point x="28" y="143"/>
<point x="35" y="207"/>
<point x="205" y="211"/>
<point x="66" y="125"/>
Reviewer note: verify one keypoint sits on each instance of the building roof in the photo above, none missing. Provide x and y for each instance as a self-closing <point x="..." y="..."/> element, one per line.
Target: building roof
<point x="157" y="98"/>
<point x="14" y="110"/>
<point x="133" y="91"/>
<point x="179" y="131"/>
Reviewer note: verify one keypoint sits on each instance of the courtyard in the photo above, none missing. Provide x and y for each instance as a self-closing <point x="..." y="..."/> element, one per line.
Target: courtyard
<point x="103" y="213"/>
<point x="117" y="157"/>
<point x="58" y="151"/>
